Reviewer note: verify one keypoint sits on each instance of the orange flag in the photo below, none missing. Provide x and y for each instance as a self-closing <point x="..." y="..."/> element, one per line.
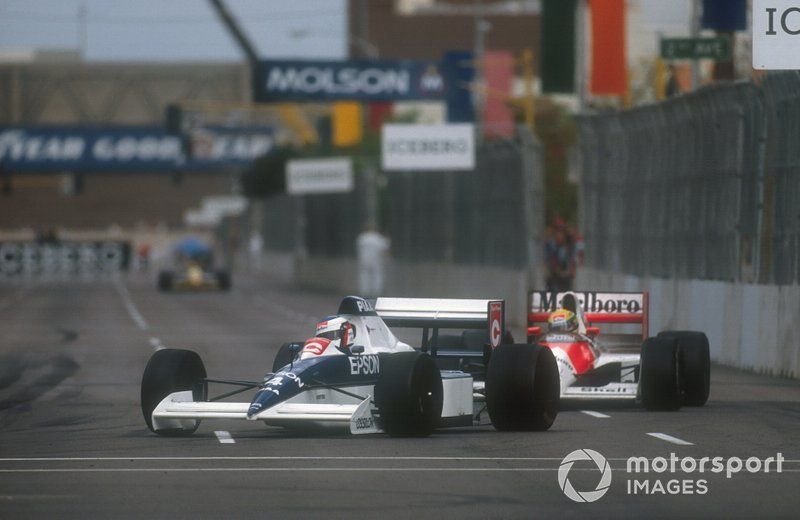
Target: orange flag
<point x="609" y="60"/>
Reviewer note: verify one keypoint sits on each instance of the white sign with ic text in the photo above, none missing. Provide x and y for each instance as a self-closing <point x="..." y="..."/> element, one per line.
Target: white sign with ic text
<point x="428" y="147"/>
<point x="313" y="176"/>
<point x="776" y="34"/>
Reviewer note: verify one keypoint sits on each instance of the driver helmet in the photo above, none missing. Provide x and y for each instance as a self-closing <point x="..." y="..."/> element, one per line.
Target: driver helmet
<point x="562" y="320"/>
<point x="338" y="330"/>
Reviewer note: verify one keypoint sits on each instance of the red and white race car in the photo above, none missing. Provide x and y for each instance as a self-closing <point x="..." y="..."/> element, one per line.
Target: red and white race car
<point x="619" y="360"/>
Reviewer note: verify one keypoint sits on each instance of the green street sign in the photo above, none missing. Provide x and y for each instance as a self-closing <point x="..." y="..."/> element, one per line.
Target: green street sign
<point x="717" y="49"/>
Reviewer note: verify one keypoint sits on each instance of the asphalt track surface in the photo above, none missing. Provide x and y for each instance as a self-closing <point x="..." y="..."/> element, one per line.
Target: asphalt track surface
<point x="73" y="443"/>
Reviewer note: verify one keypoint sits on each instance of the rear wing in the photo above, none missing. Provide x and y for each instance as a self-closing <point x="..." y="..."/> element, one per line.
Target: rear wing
<point x="595" y="307"/>
<point x="433" y="314"/>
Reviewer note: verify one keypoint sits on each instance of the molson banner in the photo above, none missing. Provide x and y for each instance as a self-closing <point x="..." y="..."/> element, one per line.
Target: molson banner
<point x="76" y="148"/>
<point x="362" y="80"/>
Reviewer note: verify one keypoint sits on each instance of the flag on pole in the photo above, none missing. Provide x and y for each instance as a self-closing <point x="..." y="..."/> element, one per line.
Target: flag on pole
<point x="609" y="61"/>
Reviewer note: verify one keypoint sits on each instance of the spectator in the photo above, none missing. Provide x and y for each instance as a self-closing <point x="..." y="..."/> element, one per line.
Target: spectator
<point x="372" y="248"/>
<point x="560" y="256"/>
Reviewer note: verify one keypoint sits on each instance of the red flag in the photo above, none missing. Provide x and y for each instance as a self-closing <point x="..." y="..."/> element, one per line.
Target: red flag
<point x="379" y="111"/>
<point x="498" y="73"/>
<point x="609" y="60"/>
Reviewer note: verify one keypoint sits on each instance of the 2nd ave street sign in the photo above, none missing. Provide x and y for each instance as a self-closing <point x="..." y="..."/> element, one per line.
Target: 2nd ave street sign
<point x="717" y="49"/>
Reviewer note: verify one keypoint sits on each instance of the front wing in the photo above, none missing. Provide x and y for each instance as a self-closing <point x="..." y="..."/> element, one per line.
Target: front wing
<point x="180" y="410"/>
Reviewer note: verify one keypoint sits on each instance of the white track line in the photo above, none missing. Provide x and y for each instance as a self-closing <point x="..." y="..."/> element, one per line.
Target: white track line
<point x="596" y="414"/>
<point x="133" y="312"/>
<point x="289" y="458"/>
<point x="271" y="457"/>
<point x="201" y="470"/>
<point x="670" y="438"/>
<point x="224" y="437"/>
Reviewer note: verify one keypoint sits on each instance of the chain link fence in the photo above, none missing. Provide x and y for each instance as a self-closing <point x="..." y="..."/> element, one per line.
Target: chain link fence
<point x="704" y="186"/>
<point x="781" y="260"/>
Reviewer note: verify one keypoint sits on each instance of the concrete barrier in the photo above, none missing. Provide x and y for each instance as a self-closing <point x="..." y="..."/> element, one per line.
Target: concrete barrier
<point x="753" y="327"/>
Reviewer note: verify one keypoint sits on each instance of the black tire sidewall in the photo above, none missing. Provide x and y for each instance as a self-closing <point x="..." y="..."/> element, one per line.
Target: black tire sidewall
<point x="409" y="394"/>
<point x="522" y="388"/>
<point x="169" y="371"/>
<point x="695" y="365"/>
<point x="660" y="375"/>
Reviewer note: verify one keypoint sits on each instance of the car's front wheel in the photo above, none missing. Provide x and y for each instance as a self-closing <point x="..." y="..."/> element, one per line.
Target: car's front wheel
<point x="169" y="371"/>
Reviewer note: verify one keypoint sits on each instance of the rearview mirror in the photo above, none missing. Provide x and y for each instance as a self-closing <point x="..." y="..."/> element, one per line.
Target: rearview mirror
<point x="357" y="349"/>
<point x="592" y="331"/>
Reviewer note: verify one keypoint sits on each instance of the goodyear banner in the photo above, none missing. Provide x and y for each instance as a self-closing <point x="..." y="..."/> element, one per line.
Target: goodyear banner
<point x="361" y="80"/>
<point x="76" y="148"/>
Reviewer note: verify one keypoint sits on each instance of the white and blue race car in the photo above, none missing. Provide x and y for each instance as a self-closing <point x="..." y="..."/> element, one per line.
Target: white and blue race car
<point x="356" y="373"/>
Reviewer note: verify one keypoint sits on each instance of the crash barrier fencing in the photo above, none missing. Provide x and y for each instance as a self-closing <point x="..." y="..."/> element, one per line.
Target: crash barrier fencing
<point x="20" y="258"/>
<point x="487" y="216"/>
<point x="704" y="186"/>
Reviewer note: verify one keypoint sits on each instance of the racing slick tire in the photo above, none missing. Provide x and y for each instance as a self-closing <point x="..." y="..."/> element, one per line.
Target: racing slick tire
<point x="409" y="394"/>
<point x="170" y="370"/>
<point x="522" y="388"/>
<point x="660" y="382"/>
<point x="223" y="280"/>
<point x="165" y="280"/>
<point x="694" y="359"/>
<point x="284" y="356"/>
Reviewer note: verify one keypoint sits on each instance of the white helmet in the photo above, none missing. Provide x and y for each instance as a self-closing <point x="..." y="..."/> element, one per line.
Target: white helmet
<point x="341" y="332"/>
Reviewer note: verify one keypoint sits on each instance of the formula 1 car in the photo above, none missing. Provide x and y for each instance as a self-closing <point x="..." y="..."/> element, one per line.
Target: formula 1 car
<point x="663" y="372"/>
<point x="194" y="270"/>
<point x="356" y="373"/>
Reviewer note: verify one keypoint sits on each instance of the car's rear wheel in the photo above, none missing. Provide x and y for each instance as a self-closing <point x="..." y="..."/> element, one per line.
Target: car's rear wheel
<point x="522" y="388"/>
<point x="169" y="371"/>
<point x="694" y="360"/>
<point x="660" y="383"/>
<point x="409" y="394"/>
<point x="165" y="280"/>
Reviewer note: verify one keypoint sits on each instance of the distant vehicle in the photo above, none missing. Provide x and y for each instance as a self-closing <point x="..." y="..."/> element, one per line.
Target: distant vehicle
<point x="356" y="373"/>
<point x="194" y="269"/>
<point x="663" y="372"/>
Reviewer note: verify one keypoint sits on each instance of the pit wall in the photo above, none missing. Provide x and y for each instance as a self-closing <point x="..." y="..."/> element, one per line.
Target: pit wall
<point x="753" y="327"/>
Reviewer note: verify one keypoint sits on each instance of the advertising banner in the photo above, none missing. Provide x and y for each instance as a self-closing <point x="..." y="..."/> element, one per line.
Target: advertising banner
<point x="128" y="148"/>
<point x="63" y="257"/>
<point x="776" y="35"/>
<point x="310" y="176"/>
<point x="428" y="147"/>
<point x="361" y="80"/>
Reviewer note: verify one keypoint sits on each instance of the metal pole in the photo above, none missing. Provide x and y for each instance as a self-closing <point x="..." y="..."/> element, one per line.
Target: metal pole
<point x="695" y="30"/>
<point x="580" y="53"/>
<point x="479" y="51"/>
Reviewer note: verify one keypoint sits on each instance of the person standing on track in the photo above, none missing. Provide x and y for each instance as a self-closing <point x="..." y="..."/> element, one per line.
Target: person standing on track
<point x="372" y="249"/>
